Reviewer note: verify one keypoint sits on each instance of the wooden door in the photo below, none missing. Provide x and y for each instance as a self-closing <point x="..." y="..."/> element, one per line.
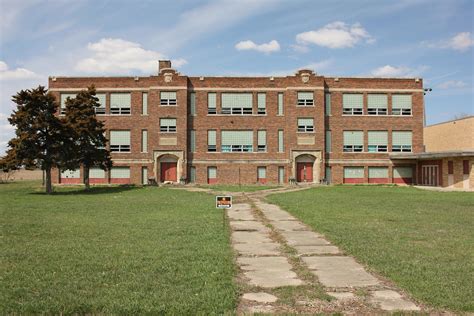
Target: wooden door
<point x="168" y="171"/>
<point x="304" y="172"/>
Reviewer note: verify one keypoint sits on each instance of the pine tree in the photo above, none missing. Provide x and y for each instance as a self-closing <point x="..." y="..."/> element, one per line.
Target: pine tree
<point x="88" y="134"/>
<point x="40" y="135"/>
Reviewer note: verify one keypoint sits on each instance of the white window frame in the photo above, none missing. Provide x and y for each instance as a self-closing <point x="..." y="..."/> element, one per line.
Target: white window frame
<point x="120" y="148"/>
<point x="168" y="128"/>
<point x="168" y="101"/>
<point x="120" y="110"/>
<point x="305" y="128"/>
<point x="305" y="102"/>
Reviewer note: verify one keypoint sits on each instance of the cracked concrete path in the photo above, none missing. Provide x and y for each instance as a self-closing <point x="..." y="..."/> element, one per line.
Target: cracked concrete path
<point x="337" y="272"/>
<point x="259" y="256"/>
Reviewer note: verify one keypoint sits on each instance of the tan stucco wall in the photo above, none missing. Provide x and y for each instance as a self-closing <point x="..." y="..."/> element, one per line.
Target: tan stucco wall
<point x="458" y="176"/>
<point x="452" y="135"/>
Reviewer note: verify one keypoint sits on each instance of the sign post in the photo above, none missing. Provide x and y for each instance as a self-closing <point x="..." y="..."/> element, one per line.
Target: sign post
<point x="223" y="202"/>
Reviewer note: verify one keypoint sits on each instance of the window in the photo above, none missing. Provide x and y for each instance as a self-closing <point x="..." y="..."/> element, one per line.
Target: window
<point x="211" y="175"/>
<point x="353" y="104"/>
<point x="281" y="174"/>
<point x="353" y="174"/>
<point x="377" y="104"/>
<point x="102" y="100"/>
<point x="144" y="103"/>
<point x="64" y="97"/>
<point x="465" y="166"/>
<point x="401" y="104"/>
<point x="120" y="172"/>
<point x="236" y="103"/>
<point x="144" y="141"/>
<point x="96" y="173"/>
<point x="144" y="175"/>
<point x="168" y="98"/>
<point x="237" y="141"/>
<point x="328" y="141"/>
<point x="403" y="173"/>
<point x="192" y="101"/>
<point x="192" y="140"/>
<point x="211" y="103"/>
<point x="305" y="99"/>
<point x="353" y="141"/>
<point x="450" y="167"/>
<point x="71" y="174"/>
<point x="280" y="141"/>
<point x="327" y="103"/>
<point x="378" y="141"/>
<point x="192" y="174"/>
<point x="378" y="175"/>
<point x="262" y="174"/>
<point x="280" y="103"/>
<point x="262" y="141"/>
<point x="211" y="141"/>
<point x="261" y="103"/>
<point x="120" y="103"/>
<point x="305" y="125"/>
<point x="401" y="141"/>
<point x="168" y="125"/>
<point x="120" y="141"/>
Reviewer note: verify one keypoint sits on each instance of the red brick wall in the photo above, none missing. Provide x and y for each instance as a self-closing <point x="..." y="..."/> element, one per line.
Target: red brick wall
<point x="228" y="164"/>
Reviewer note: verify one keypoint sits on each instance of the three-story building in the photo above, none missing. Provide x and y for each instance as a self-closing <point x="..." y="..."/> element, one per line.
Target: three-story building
<point x="303" y="128"/>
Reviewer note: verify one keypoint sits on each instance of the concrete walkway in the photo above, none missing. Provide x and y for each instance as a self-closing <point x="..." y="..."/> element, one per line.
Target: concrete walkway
<point x="258" y="240"/>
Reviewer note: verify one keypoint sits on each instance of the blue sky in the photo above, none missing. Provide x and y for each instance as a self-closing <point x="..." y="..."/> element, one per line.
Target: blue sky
<point x="408" y="38"/>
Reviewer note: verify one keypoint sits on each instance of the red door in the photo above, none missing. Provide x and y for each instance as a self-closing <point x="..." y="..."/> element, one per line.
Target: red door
<point x="168" y="171"/>
<point x="304" y="172"/>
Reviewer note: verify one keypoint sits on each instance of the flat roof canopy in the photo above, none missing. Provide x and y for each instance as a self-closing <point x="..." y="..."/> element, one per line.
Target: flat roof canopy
<point x="432" y="155"/>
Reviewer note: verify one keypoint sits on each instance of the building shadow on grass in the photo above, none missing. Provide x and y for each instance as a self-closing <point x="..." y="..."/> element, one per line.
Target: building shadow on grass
<point x="92" y="191"/>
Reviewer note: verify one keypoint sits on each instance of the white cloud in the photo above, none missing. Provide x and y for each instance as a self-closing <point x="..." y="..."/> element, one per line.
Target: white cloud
<point x="118" y="56"/>
<point x="15" y="74"/>
<point x="452" y="84"/>
<point x="267" y="48"/>
<point x="336" y="35"/>
<point x="460" y="42"/>
<point x="400" y="71"/>
<point x="207" y="19"/>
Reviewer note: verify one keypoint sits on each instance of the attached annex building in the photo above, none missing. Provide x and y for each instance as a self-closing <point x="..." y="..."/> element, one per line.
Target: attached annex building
<point x="304" y="128"/>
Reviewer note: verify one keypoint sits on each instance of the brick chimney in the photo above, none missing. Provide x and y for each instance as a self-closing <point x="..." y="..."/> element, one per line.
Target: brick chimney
<point x="162" y="64"/>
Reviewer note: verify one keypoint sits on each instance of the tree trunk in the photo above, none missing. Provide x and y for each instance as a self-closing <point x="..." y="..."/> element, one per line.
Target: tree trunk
<point x="49" y="187"/>
<point x="86" y="177"/>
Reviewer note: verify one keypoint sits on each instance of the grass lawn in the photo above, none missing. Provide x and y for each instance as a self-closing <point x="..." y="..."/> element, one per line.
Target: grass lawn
<point x="120" y="250"/>
<point x="236" y="188"/>
<point x="421" y="240"/>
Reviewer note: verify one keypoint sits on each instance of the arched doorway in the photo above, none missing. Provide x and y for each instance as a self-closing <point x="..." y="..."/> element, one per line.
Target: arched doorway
<point x="167" y="170"/>
<point x="305" y="168"/>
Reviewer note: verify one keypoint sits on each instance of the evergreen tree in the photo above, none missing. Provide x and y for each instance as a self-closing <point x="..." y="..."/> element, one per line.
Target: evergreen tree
<point x="88" y="135"/>
<point x="40" y="135"/>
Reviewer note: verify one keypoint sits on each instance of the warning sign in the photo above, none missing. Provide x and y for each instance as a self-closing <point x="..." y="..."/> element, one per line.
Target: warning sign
<point x="223" y="201"/>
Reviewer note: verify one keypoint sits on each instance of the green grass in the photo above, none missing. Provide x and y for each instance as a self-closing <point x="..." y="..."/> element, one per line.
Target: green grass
<point x="119" y="250"/>
<point x="421" y="240"/>
<point x="236" y="188"/>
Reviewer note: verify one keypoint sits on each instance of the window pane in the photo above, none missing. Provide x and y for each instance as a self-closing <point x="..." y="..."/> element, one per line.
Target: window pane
<point x="352" y="101"/>
<point x="237" y="138"/>
<point x="236" y="100"/>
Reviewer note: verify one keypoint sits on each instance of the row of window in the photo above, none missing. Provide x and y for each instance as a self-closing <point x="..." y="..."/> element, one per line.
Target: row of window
<point x="242" y="141"/>
<point x="237" y="141"/>
<point x="242" y="103"/>
<point x="353" y="141"/>
<point x="378" y="173"/>
<point x="260" y="174"/>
